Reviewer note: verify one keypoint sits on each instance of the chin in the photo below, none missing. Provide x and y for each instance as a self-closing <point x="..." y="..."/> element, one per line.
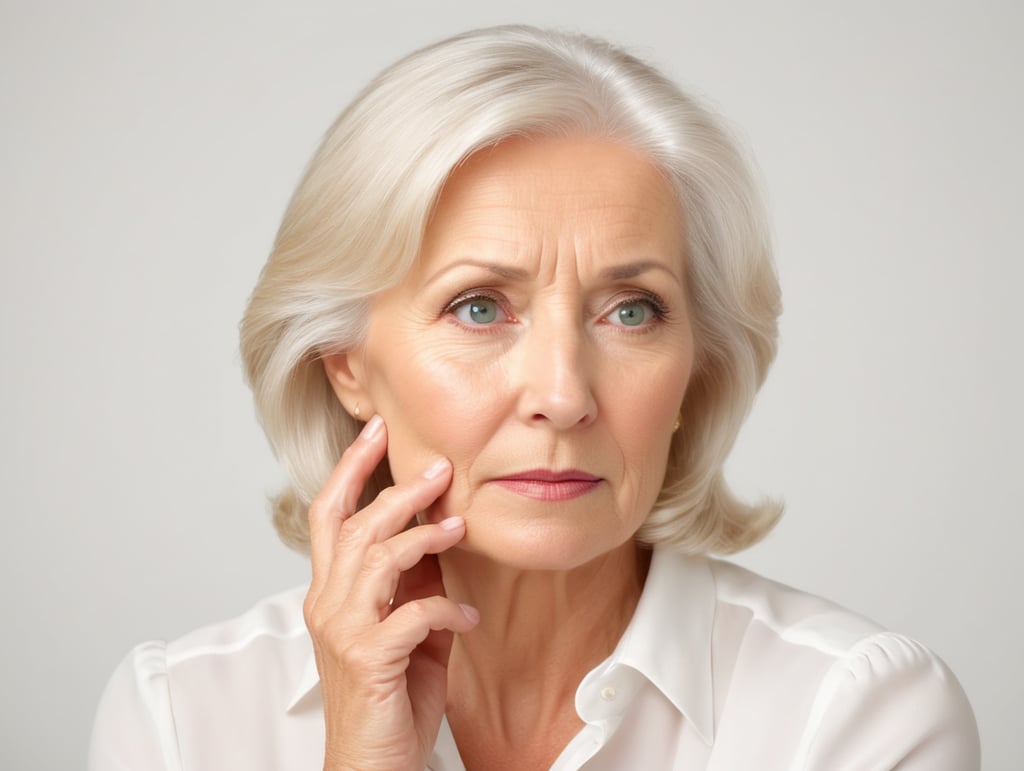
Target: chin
<point x="536" y="545"/>
<point x="530" y="534"/>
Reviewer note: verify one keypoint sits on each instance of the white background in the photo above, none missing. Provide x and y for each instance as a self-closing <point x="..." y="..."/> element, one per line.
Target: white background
<point x="147" y="153"/>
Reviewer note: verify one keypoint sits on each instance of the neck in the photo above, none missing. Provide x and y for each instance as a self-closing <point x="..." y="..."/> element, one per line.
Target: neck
<point x="540" y="632"/>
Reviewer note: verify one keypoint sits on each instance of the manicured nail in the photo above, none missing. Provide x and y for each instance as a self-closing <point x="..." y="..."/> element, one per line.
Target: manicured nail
<point x="372" y="428"/>
<point x="470" y="612"/>
<point x="452" y="523"/>
<point x="436" y="469"/>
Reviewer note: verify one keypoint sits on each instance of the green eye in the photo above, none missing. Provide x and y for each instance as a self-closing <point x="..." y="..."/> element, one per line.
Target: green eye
<point x="631" y="314"/>
<point x="478" y="311"/>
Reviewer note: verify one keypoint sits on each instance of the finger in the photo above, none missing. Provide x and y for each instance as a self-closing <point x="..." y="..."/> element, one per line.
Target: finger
<point x="386" y="517"/>
<point x="383" y="567"/>
<point x="421" y="580"/>
<point x="409" y="625"/>
<point x="395" y="506"/>
<point x="339" y="496"/>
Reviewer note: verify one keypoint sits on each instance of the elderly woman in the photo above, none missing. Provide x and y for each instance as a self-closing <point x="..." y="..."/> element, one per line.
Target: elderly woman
<point x="524" y="292"/>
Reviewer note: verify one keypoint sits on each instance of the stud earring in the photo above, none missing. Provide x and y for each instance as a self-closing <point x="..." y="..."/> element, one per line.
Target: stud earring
<point x="355" y="412"/>
<point x="678" y="423"/>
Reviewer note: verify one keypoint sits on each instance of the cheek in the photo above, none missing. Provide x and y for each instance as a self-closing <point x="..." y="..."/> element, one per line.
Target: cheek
<point x="647" y="388"/>
<point x="435" y="402"/>
<point x="643" y="415"/>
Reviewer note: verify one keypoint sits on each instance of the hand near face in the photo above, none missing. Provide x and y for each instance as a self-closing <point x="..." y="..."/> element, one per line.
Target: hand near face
<point x="547" y="316"/>
<point x="381" y="626"/>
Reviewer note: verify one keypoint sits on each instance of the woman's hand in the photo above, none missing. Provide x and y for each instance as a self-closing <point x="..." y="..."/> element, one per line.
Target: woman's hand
<point x="382" y="628"/>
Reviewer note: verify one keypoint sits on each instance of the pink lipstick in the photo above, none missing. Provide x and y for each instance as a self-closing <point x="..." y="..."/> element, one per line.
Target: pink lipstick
<point x="546" y="485"/>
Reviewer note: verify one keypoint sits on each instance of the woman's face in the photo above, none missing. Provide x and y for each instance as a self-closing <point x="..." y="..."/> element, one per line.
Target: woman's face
<point x="542" y="342"/>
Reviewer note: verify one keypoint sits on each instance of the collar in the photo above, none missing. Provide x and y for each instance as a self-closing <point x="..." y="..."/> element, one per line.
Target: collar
<point x="668" y="640"/>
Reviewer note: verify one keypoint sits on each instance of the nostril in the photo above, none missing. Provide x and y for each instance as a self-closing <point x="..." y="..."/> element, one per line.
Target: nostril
<point x="565" y="412"/>
<point x="554" y="378"/>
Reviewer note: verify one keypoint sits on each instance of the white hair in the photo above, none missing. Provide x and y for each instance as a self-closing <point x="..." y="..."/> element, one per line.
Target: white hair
<point x="356" y="221"/>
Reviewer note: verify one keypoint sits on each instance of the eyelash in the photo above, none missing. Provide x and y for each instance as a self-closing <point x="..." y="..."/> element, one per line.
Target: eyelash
<point x="476" y="294"/>
<point x="658" y="307"/>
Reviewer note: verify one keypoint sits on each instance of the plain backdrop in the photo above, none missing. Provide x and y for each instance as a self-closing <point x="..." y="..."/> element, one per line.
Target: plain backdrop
<point x="148" y="150"/>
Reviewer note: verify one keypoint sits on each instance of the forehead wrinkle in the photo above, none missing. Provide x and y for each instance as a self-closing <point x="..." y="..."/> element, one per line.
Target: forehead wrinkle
<point x="633" y="252"/>
<point x="489" y="212"/>
<point x="501" y="197"/>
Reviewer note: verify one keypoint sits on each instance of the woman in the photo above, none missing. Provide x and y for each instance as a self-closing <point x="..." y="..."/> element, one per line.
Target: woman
<point x="525" y="294"/>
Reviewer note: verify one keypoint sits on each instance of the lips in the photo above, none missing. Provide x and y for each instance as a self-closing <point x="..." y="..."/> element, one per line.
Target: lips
<point x="548" y="485"/>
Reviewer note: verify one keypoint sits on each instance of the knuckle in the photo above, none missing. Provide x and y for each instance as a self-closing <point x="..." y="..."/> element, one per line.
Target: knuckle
<point x="352" y="532"/>
<point x="319" y="508"/>
<point x="329" y="630"/>
<point x="418" y="610"/>
<point x="308" y="606"/>
<point x="316" y="619"/>
<point x="390" y="496"/>
<point x="351" y="656"/>
<point x="379" y="557"/>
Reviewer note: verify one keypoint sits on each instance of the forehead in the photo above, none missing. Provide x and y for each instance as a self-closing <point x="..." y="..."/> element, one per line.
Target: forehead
<point x="581" y="189"/>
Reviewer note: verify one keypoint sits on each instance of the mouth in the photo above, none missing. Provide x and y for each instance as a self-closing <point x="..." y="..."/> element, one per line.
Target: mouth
<point x="547" y="485"/>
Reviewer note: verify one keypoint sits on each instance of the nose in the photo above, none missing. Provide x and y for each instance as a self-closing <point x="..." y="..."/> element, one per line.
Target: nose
<point x="555" y="377"/>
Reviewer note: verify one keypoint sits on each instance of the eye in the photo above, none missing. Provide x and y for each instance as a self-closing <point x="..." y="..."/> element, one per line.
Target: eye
<point x="478" y="311"/>
<point x="635" y="312"/>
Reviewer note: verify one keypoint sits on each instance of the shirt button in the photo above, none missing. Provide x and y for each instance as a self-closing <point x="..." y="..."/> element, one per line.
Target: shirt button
<point x="608" y="693"/>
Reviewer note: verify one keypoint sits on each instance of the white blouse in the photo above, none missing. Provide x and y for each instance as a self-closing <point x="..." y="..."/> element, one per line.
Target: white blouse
<point x="719" y="669"/>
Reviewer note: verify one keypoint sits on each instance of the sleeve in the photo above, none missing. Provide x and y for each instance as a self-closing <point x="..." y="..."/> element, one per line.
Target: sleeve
<point x="134" y="725"/>
<point x="891" y="703"/>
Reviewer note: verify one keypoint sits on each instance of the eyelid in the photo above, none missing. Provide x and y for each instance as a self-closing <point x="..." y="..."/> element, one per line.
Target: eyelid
<point x="642" y="295"/>
<point x="474" y="294"/>
<point x="659" y="309"/>
<point x="479" y="294"/>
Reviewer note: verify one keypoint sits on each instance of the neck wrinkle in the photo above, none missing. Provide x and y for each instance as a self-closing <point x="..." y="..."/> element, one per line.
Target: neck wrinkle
<point x="540" y="632"/>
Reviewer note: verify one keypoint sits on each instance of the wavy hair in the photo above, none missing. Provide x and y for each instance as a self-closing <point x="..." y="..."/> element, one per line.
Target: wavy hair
<point x="356" y="221"/>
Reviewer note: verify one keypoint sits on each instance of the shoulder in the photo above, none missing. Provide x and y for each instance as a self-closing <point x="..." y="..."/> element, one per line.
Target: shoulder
<point x="261" y="636"/>
<point x="164" y="695"/>
<point x="793" y="618"/>
<point x="863" y="696"/>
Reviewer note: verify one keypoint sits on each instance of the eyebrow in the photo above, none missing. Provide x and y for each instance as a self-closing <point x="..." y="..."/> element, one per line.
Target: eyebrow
<point x="633" y="269"/>
<point x="501" y="271"/>
<point x="614" y="273"/>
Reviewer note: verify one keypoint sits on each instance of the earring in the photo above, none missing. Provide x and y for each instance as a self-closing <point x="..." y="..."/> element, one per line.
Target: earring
<point x="678" y="423"/>
<point x="355" y="412"/>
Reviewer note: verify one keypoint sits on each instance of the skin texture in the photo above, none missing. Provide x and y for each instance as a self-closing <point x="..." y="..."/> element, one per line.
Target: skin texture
<point x="543" y="327"/>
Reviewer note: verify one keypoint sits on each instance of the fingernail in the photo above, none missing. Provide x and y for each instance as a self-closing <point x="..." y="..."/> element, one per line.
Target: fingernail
<point x="436" y="469"/>
<point x="372" y="428"/>
<point x="470" y="612"/>
<point x="452" y="523"/>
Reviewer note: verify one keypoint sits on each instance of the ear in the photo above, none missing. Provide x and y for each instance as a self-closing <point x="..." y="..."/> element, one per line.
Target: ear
<point x="346" y="374"/>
